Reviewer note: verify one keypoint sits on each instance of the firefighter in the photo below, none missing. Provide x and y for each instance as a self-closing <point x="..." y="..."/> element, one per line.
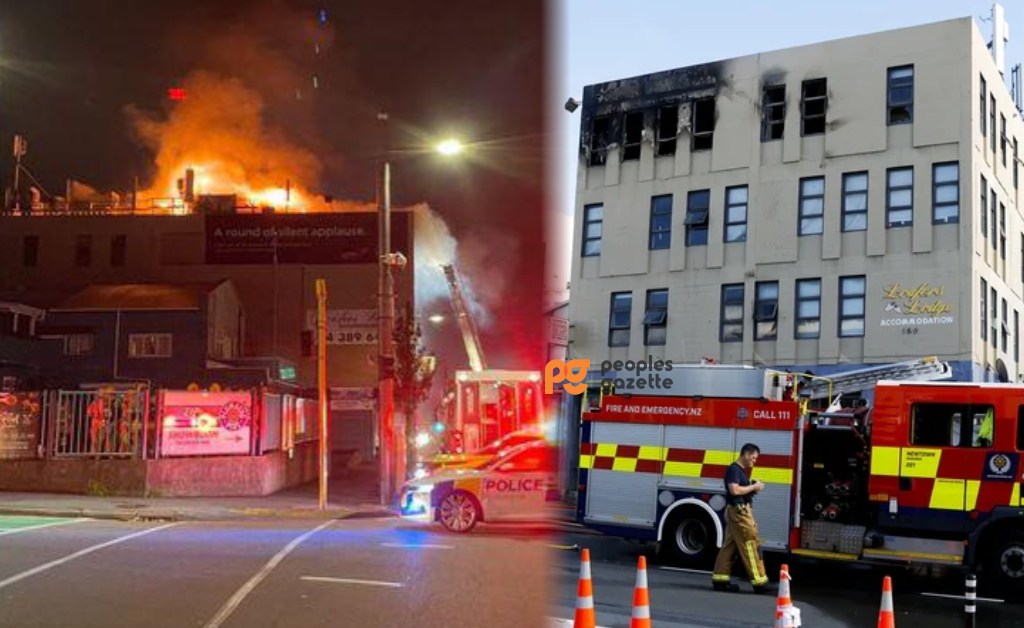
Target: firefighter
<point x="741" y="533"/>
<point x="984" y="438"/>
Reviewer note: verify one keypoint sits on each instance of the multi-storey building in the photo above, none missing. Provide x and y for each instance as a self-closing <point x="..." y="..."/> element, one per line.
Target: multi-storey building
<point x="816" y="208"/>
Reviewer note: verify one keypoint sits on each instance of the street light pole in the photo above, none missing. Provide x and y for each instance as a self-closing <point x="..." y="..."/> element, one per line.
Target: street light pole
<point x="321" y="363"/>
<point x="386" y="347"/>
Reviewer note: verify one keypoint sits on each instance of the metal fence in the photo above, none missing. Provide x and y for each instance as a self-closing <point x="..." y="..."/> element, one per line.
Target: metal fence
<point x="104" y="423"/>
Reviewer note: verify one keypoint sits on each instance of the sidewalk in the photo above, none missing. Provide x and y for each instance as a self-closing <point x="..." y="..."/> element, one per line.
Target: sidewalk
<point x="350" y="496"/>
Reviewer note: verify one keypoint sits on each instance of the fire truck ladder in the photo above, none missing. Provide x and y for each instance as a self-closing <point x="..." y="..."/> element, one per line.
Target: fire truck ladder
<point x="470" y="335"/>
<point x="924" y="370"/>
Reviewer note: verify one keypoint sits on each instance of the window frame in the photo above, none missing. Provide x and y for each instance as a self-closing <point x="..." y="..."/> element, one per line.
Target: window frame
<point x="983" y="86"/>
<point x="936" y="205"/>
<point x="992" y="122"/>
<point x="843" y="316"/>
<point x="76" y="349"/>
<point x="662" y="140"/>
<point x="631" y="149"/>
<point x="972" y="411"/>
<point x="1004" y="327"/>
<point x="587" y="221"/>
<point x="697" y="226"/>
<point x="889" y="189"/>
<point x="30" y="261"/>
<point x="801" y="216"/>
<point x="728" y="211"/>
<point x="759" y="318"/>
<point x="844" y="212"/>
<point x="599" y="154"/>
<point x="698" y="136"/>
<point x="1002" y="138"/>
<point x="891" y="105"/>
<point x="83" y="250"/>
<point x="652" y="232"/>
<point x="993" y="203"/>
<point x="119" y="250"/>
<point x="993" y="295"/>
<point x="723" y="322"/>
<point x="140" y="337"/>
<point x="662" y="324"/>
<point x="798" y="319"/>
<point x="984" y="207"/>
<point x="1016" y="335"/>
<point x="1002" y="231"/>
<point x="984" y="310"/>
<point x="767" y="108"/>
<point x="804" y="99"/>
<point x="612" y="327"/>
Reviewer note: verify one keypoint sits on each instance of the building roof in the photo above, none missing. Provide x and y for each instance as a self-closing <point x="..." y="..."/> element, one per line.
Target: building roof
<point x="98" y="298"/>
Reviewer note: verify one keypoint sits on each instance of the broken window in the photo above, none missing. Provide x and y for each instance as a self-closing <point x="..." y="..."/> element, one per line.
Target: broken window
<point x="703" y="124"/>
<point x="633" y="135"/>
<point x="655" y="318"/>
<point x="668" y="128"/>
<point x="901" y="95"/>
<point x="813" y="106"/>
<point x="766" y="311"/>
<point x="899" y="201"/>
<point x="812" y="206"/>
<point x="773" y="113"/>
<point x="697" y="207"/>
<point x="599" y="141"/>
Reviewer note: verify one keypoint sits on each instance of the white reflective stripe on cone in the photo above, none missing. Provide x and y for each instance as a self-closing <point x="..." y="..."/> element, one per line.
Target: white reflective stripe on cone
<point x="642" y="612"/>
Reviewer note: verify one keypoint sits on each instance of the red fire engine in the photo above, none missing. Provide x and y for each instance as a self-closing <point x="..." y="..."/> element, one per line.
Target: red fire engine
<point x="931" y="473"/>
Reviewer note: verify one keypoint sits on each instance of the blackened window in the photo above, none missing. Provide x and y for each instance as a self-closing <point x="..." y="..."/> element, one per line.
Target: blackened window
<point x="1002" y="138"/>
<point x="118" y="250"/>
<point x="83" y="250"/>
<point x="808" y="308"/>
<point x="736" y="214"/>
<point x="633" y="135"/>
<point x="899" y="201"/>
<point x="946" y="192"/>
<point x="773" y="113"/>
<point x="731" y="329"/>
<point x="984" y="207"/>
<point x="592" y="220"/>
<point x="855" y="201"/>
<point x="619" y="321"/>
<point x="901" y="95"/>
<point x="813" y="104"/>
<point x="697" y="208"/>
<point x="1002" y="231"/>
<point x="812" y="206"/>
<point x="766" y="310"/>
<point x="984" y="309"/>
<point x="851" y="305"/>
<point x="656" y="318"/>
<point x="703" y="124"/>
<point x="30" y="251"/>
<point x="661" y="222"/>
<point x="599" y="141"/>
<point x="984" y="95"/>
<point x="668" y="129"/>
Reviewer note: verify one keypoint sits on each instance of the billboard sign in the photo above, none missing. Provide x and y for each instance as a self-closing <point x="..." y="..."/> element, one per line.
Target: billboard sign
<point x="198" y="423"/>
<point x="322" y="238"/>
<point x="913" y="305"/>
<point x="347" y="327"/>
<point x="20" y="420"/>
<point x="352" y="399"/>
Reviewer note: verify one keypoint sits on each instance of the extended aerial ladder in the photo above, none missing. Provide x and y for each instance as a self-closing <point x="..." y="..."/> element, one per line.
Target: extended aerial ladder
<point x="470" y="335"/>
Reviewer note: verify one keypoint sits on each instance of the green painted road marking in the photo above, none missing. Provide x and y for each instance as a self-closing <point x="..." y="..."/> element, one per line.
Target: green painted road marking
<point x="12" y="524"/>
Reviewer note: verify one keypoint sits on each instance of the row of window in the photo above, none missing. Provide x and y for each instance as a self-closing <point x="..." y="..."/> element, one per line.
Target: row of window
<point x="83" y="250"/>
<point x="999" y="327"/>
<point x="958" y="425"/>
<point x="899" y="208"/>
<point x="732" y="320"/>
<point x="139" y="345"/>
<point x="813" y="108"/>
<point x="1002" y="137"/>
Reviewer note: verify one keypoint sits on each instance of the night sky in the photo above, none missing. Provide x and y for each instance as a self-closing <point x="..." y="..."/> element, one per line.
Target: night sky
<point x="71" y="69"/>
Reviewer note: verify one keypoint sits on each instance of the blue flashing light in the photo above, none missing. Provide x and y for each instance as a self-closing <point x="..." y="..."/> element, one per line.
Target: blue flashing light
<point x="322" y="17"/>
<point x="439" y="427"/>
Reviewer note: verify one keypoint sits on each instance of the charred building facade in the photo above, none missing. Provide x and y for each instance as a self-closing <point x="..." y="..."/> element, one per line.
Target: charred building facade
<point x="821" y="207"/>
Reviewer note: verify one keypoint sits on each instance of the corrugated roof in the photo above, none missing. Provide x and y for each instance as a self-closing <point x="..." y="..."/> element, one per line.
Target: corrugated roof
<point x="137" y="297"/>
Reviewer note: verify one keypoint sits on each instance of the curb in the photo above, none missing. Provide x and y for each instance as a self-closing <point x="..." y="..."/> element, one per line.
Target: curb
<point x="177" y="515"/>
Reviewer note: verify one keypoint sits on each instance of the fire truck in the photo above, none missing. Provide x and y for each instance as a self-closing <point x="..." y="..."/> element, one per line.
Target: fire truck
<point x="929" y="474"/>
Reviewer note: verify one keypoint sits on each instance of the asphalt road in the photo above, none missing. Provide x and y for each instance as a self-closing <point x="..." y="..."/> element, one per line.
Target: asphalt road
<point x="379" y="572"/>
<point x="828" y="595"/>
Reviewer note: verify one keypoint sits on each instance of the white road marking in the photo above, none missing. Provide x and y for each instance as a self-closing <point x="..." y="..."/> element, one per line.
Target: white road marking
<point x="372" y="583"/>
<point x="42" y="525"/>
<point x="417" y="545"/>
<point x="247" y="588"/>
<point x="960" y="597"/>
<point x="89" y="550"/>
<point x="683" y="569"/>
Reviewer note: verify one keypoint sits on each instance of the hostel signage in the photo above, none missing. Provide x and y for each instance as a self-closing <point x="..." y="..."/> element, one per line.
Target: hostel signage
<point x="205" y="423"/>
<point x="347" y="327"/>
<point x="916" y="305"/>
<point x="20" y="420"/>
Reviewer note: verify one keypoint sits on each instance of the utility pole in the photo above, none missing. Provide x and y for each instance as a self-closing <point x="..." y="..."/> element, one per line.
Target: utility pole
<point x="385" y="339"/>
<point x="321" y="361"/>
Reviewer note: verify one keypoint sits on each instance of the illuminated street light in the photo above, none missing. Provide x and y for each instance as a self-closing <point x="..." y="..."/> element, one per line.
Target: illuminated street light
<point x="422" y="439"/>
<point x="436" y="319"/>
<point x="450" y="147"/>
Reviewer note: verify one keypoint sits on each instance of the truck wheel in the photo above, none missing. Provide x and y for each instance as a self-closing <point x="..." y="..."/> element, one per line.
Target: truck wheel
<point x="689" y="538"/>
<point x="459" y="512"/>
<point x="1006" y="562"/>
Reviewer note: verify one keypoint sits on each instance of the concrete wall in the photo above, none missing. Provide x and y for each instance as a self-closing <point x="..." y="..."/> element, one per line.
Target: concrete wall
<point x="946" y="57"/>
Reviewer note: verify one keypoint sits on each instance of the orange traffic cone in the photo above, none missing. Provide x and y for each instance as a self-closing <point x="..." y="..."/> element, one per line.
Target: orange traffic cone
<point x="585" y="596"/>
<point x="641" y="599"/>
<point x="786" y="615"/>
<point x="887" y="616"/>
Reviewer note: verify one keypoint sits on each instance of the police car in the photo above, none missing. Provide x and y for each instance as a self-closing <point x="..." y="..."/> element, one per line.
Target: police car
<point x="514" y="486"/>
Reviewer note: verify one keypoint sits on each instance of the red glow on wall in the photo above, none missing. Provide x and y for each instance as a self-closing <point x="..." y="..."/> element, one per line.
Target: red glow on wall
<point x="176" y="93"/>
